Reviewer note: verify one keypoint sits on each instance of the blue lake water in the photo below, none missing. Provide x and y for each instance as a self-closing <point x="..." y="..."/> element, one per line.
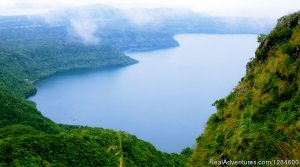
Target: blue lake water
<point x="165" y="99"/>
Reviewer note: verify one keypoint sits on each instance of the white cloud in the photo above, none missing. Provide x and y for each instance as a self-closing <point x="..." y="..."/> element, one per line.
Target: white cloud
<point x="139" y="17"/>
<point x="256" y="8"/>
<point x="86" y="30"/>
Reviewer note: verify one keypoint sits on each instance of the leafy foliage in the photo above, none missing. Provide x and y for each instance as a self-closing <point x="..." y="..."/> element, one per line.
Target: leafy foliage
<point x="261" y="37"/>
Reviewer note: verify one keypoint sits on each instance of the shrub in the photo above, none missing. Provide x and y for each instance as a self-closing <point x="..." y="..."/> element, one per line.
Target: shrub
<point x="262" y="113"/>
<point x="219" y="103"/>
<point x="261" y="37"/>
<point x="288" y="48"/>
<point x="298" y="126"/>
<point x="278" y="36"/>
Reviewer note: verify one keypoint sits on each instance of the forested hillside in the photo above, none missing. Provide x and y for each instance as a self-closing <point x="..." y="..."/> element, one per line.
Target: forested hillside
<point x="260" y="119"/>
<point x="22" y="63"/>
<point x="27" y="138"/>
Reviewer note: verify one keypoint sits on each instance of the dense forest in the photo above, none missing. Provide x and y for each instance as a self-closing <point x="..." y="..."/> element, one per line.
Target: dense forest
<point x="260" y="118"/>
<point x="27" y="138"/>
<point x="21" y="67"/>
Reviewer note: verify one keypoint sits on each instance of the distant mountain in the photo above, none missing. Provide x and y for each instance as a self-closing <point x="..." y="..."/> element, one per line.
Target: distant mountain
<point x="167" y="20"/>
<point x="260" y="118"/>
<point x="134" y="29"/>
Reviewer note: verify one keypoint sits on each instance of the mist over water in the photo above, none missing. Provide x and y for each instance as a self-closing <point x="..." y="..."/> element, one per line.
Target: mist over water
<point x="106" y="25"/>
<point x="165" y="99"/>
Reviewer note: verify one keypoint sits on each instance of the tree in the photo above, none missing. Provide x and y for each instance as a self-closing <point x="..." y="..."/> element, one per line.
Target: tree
<point x="261" y="37"/>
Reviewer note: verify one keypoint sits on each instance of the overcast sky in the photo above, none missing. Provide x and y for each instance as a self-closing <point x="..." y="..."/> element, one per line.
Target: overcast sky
<point x="252" y="8"/>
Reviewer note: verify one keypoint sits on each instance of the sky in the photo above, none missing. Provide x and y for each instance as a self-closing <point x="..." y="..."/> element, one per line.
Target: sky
<point x="249" y="8"/>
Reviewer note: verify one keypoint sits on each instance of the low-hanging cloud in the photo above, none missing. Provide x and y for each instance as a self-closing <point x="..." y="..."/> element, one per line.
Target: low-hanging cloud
<point x="85" y="29"/>
<point x="245" y="8"/>
<point x="139" y="17"/>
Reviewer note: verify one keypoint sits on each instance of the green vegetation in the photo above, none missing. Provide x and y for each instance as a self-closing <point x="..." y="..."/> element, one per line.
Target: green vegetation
<point x="27" y="138"/>
<point x="260" y="119"/>
<point x="78" y="146"/>
<point x="261" y="38"/>
<point x="29" y="53"/>
<point x="26" y="65"/>
<point x="14" y="110"/>
<point x="17" y="85"/>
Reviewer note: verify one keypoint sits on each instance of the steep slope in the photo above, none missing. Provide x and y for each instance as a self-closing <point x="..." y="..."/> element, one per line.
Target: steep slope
<point x="18" y="85"/>
<point x="14" y="110"/>
<point x="260" y="119"/>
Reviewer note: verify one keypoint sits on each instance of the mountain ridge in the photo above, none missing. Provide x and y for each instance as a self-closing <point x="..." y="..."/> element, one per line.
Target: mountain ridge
<point x="259" y="119"/>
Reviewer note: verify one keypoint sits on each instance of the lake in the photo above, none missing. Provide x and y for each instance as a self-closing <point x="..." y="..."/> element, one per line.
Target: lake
<point x="165" y="99"/>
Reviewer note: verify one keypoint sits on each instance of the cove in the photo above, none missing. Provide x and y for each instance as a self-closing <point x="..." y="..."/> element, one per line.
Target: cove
<point x="165" y="99"/>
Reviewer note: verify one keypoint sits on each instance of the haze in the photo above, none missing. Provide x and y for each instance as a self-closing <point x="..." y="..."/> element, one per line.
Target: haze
<point x="249" y="8"/>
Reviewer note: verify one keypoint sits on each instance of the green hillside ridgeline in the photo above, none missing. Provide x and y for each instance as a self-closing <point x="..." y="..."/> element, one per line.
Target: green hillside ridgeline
<point x="260" y="118"/>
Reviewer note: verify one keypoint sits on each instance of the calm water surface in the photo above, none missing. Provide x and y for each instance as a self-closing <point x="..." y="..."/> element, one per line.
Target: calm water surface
<point x="165" y="99"/>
